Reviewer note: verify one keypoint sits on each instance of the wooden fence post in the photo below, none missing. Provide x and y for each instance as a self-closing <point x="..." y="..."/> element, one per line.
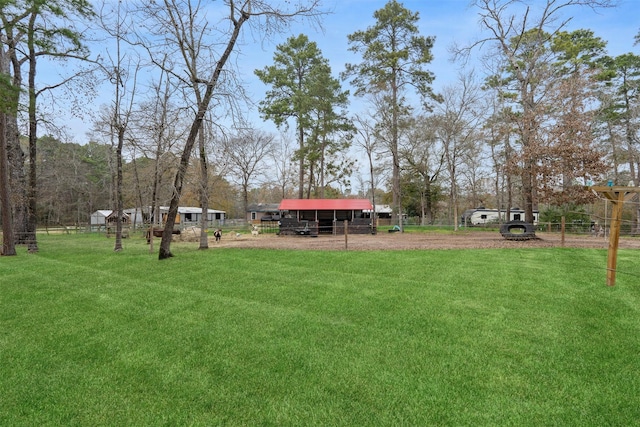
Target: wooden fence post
<point x="346" y="234"/>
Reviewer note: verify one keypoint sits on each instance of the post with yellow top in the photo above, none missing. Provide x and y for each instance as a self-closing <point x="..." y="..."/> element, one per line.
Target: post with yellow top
<point x="617" y="196"/>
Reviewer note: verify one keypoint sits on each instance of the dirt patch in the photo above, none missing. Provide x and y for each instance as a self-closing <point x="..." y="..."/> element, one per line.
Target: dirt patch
<point x="404" y="241"/>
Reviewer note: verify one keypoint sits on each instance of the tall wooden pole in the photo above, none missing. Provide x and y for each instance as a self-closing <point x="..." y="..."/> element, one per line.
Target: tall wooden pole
<point x="614" y="238"/>
<point x="617" y="196"/>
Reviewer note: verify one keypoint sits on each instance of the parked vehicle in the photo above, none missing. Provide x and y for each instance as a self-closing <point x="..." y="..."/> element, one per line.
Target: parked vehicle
<point x="483" y="216"/>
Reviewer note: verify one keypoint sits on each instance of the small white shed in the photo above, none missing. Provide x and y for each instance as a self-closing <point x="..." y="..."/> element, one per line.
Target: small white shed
<point x="99" y="217"/>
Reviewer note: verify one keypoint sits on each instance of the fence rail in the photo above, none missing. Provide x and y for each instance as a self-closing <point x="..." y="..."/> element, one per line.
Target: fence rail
<point x="628" y="228"/>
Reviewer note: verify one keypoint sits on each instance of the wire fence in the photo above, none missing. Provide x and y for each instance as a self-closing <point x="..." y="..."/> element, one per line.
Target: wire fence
<point x="584" y="228"/>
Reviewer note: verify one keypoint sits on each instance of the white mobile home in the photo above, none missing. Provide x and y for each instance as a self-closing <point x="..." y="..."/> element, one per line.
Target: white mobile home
<point x="483" y="216"/>
<point x="188" y="216"/>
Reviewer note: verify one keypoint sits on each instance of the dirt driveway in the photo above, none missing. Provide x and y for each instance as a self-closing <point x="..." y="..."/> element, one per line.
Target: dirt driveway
<point x="402" y="241"/>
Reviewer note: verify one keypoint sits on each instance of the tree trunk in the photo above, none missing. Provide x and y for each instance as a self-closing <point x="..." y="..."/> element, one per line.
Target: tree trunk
<point x="428" y="200"/>
<point x="636" y="200"/>
<point x="395" y="175"/>
<point x="8" y="242"/>
<point x="374" y="214"/>
<point x="118" y="189"/>
<point x="311" y="180"/>
<point x="30" y="236"/>
<point x="167" y="234"/>
<point x="204" y="193"/>
<point x="301" y="173"/>
<point x="17" y="179"/>
<point x="165" y="244"/>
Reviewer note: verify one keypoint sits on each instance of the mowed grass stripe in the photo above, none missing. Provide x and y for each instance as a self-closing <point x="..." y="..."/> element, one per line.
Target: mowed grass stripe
<point x="245" y="337"/>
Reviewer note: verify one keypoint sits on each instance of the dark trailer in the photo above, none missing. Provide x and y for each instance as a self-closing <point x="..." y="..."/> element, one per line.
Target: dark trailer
<point x="325" y="216"/>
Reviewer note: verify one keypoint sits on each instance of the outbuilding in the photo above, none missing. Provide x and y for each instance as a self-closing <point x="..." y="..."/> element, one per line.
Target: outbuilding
<point x="190" y="216"/>
<point x="257" y="212"/>
<point x="317" y="216"/>
<point x="99" y="218"/>
<point x="382" y="213"/>
<point x="108" y="218"/>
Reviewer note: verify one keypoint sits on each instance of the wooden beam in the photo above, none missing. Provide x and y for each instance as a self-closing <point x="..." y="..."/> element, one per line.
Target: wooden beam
<point x="614" y="239"/>
<point x="617" y="196"/>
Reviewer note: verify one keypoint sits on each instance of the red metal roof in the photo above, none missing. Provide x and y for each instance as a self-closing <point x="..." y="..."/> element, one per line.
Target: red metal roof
<point x="324" y="204"/>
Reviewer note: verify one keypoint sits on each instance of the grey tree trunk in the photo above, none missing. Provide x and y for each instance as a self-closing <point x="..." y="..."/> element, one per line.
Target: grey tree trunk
<point x="204" y="193"/>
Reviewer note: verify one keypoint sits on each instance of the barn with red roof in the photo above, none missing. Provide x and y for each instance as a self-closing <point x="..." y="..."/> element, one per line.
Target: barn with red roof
<point x="325" y="216"/>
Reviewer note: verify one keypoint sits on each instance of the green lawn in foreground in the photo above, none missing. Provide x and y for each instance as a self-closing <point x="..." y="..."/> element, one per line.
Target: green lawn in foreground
<point x="249" y="337"/>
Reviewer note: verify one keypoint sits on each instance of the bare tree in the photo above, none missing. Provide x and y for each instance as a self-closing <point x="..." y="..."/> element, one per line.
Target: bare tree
<point x="457" y="122"/>
<point x="204" y="189"/>
<point x="365" y="139"/>
<point x="423" y="157"/>
<point x="245" y="155"/>
<point x="159" y="124"/>
<point x="203" y="64"/>
<point x="497" y="135"/>
<point x="283" y="165"/>
<point x="121" y="67"/>
<point x="207" y="142"/>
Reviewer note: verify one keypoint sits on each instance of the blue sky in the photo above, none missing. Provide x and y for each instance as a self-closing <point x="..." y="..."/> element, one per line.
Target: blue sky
<point x="448" y="20"/>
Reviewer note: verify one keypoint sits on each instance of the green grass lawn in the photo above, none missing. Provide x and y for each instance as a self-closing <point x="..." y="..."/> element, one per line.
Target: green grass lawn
<point x="247" y="337"/>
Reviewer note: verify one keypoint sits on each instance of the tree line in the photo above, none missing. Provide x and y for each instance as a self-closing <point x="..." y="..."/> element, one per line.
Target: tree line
<point x="549" y="113"/>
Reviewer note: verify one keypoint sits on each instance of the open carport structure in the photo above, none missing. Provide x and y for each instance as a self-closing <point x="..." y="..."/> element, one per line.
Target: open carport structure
<point x="314" y="216"/>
